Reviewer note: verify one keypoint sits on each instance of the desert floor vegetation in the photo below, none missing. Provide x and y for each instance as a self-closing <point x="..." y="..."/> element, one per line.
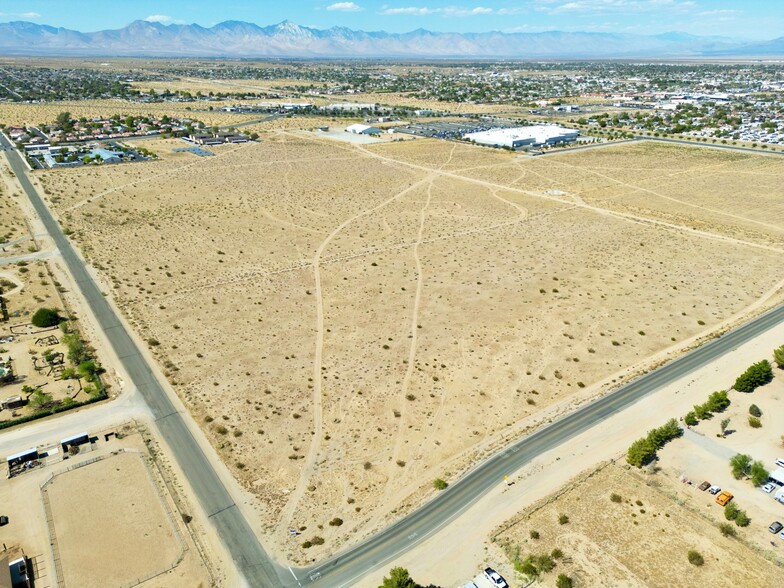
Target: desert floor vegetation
<point x="330" y="306"/>
<point x="626" y="529"/>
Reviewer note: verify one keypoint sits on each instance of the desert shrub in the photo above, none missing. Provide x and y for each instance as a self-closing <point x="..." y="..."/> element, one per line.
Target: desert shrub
<point x="756" y="375"/>
<point x="46" y="317"/>
<point x="563" y="581"/>
<point x="563" y="519"/>
<point x="220" y="429"/>
<point x="742" y="520"/>
<point x="615" y="497"/>
<point x="307" y="544"/>
<point x="754" y="410"/>
<point x="439" y="484"/>
<point x="533" y="534"/>
<point x="727" y="530"/>
<point x="367" y="465"/>
<point x="731" y="511"/>
<point x="556" y="553"/>
<point x="754" y="422"/>
<point x="336" y="522"/>
<point x="317" y="540"/>
<point x="695" y="558"/>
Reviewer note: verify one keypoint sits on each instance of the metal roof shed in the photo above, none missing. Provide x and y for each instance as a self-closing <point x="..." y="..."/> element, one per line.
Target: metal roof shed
<point x="777" y="476"/>
<point x="22" y="456"/>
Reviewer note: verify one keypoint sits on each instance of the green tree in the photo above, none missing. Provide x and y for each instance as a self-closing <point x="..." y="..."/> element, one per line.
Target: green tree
<point x="740" y="465"/>
<point x="724" y="424"/>
<point x="39" y="400"/>
<point x="756" y="375"/>
<point x="640" y="453"/>
<point x="778" y="356"/>
<point x="718" y="401"/>
<point x="46" y="317"/>
<point x="702" y="412"/>
<point x="754" y="410"/>
<point x="690" y="418"/>
<point x="758" y="474"/>
<point x="398" y="578"/>
<point x="742" y="520"/>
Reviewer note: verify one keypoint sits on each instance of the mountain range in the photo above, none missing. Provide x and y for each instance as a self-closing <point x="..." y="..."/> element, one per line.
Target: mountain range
<point x="287" y="39"/>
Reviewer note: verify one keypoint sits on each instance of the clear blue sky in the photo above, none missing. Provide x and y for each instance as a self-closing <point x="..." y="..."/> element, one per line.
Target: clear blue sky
<point x="752" y="19"/>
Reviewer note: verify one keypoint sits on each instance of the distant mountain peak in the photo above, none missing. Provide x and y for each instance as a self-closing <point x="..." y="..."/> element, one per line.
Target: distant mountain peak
<point x="288" y="39"/>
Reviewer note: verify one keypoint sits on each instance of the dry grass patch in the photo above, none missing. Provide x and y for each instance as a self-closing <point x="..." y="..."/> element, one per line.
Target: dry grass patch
<point x="623" y="532"/>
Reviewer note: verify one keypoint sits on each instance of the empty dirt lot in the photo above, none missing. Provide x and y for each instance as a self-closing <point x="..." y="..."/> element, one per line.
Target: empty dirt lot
<point x="642" y="540"/>
<point x="350" y="322"/>
<point x="128" y="536"/>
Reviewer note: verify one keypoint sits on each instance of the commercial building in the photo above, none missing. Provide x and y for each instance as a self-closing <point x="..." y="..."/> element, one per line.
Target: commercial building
<point x="516" y="137"/>
<point x="359" y="129"/>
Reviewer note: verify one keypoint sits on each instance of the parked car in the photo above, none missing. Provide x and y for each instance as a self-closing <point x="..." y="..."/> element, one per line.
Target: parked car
<point x="3" y="520"/>
<point x="704" y="486"/>
<point x="714" y="490"/>
<point x="723" y="498"/>
<point x="769" y="487"/>
<point x="775" y="527"/>
<point x="495" y="578"/>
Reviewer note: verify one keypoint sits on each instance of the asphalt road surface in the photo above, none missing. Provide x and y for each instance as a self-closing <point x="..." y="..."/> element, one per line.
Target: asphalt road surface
<point x="345" y="568"/>
<point x="232" y="527"/>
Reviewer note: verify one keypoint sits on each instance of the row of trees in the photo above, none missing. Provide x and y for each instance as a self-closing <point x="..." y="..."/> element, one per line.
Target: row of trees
<point x="717" y="402"/>
<point x="643" y="451"/>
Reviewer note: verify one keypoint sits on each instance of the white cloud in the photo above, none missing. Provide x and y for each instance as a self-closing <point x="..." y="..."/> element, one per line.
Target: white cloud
<point x="160" y="18"/>
<point x="720" y="12"/>
<point x="588" y="6"/>
<point x="445" y="11"/>
<point x="345" y="7"/>
<point x="20" y="14"/>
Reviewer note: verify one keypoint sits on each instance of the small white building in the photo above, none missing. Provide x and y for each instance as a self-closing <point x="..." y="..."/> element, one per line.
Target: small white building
<point x="517" y="137"/>
<point x="359" y="129"/>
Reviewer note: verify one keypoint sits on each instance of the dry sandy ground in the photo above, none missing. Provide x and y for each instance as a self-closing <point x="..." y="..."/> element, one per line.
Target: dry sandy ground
<point x="641" y="541"/>
<point x="14" y="237"/>
<point x="351" y="322"/>
<point x="12" y="113"/>
<point x="127" y="516"/>
<point x="129" y="533"/>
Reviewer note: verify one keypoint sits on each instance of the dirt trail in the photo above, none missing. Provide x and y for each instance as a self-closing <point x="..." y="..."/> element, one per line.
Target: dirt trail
<point x="671" y="198"/>
<point x="309" y="464"/>
<point x="620" y="215"/>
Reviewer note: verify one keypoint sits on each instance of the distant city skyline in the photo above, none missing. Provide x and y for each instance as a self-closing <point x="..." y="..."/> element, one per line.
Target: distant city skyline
<point x="752" y="19"/>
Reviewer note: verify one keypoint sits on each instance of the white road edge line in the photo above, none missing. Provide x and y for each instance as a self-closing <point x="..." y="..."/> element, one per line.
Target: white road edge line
<point x="295" y="576"/>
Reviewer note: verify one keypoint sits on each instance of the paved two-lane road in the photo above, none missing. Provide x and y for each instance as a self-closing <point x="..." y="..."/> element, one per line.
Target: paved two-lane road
<point x="346" y="568"/>
<point x="232" y="527"/>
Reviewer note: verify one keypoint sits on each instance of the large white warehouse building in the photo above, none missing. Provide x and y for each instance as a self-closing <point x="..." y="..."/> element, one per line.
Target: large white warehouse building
<point x="516" y="137"/>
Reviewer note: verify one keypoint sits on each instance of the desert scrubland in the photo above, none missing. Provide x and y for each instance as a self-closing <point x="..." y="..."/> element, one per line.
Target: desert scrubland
<point x="350" y="322"/>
